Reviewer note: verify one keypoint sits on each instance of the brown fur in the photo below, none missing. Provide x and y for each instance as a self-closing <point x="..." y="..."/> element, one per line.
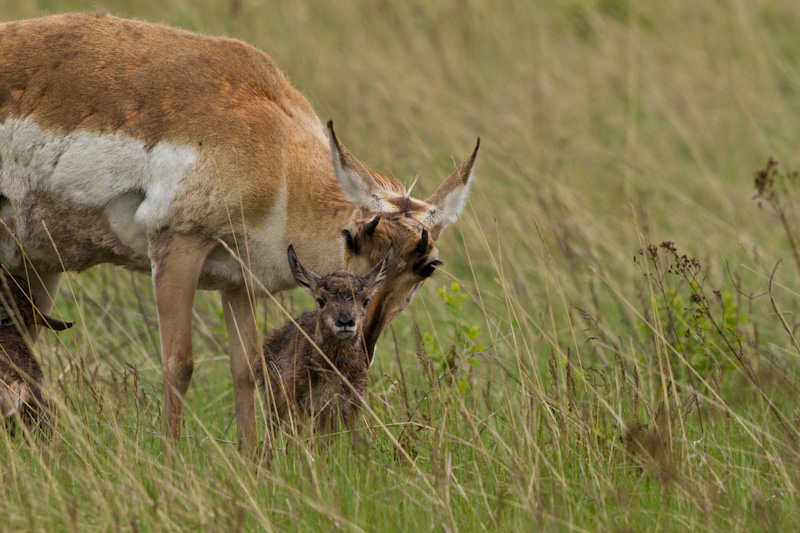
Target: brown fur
<point x="20" y="373"/>
<point x="302" y="382"/>
<point x="95" y="72"/>
<point x="176" y="269"/>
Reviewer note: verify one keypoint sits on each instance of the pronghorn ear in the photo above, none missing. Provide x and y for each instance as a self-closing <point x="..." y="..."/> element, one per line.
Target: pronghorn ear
<point x="305" y="278"/>
<point x="380" y="272"/>
<point x="451" y="196"/>
<point x="354" y="177"/>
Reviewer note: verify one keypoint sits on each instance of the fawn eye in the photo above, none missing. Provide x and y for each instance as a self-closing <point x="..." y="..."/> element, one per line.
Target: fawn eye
<point x="320" y="303"/>
<point x="366" y="302"/>
<point x="6" y="321"/>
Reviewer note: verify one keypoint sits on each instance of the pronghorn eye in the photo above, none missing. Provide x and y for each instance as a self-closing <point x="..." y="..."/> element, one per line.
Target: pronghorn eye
<point x="366" y="302"/>
<point x="320" y="303"/>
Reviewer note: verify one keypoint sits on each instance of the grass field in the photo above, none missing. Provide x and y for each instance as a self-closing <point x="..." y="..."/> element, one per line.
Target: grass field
<point x="598" y="380"/>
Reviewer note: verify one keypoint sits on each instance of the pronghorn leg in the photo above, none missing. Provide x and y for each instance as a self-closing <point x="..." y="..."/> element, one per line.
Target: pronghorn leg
<point x="44" y="289"/>
<point x="239" y="307"/>
<point x="177" y="261"/>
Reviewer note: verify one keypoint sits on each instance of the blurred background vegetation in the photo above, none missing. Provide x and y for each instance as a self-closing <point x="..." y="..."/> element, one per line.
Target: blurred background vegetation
<point x="606" y="126"/>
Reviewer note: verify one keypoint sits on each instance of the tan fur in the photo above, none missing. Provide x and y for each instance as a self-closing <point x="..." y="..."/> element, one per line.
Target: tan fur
<point x="239" y="309"/>
<point x="263" y="177"/>
<point x="96" y="73"/>
<point x="177" y="260"/>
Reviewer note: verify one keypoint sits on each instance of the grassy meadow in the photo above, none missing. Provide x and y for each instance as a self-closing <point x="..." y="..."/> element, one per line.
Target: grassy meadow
<point x="568" y="369"/>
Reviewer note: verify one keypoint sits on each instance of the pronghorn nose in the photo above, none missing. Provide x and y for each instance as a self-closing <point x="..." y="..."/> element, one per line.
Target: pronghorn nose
<point x="347" y="321"/>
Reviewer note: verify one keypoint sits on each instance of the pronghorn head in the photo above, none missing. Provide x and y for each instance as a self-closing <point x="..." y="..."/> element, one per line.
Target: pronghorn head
<point x="389" y="217"/>
<point x="415" y="260"/>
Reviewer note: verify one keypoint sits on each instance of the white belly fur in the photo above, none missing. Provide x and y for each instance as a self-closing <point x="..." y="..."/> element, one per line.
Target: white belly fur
<point x="106" y="193"/>
<point x="133" y="183"/>
<point x="90" y="169"/>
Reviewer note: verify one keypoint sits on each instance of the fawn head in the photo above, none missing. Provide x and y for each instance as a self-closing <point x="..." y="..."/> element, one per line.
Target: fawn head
<point x="341" y="297"/>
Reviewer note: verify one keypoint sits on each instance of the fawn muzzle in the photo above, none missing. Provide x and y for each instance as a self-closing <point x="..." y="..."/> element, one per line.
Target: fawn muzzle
<point x="345" y="326"/>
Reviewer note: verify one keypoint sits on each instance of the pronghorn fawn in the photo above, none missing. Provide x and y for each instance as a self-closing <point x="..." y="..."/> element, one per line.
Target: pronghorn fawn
<point x="193" y="159"/>
<point x="316" y="368"/>
<point x="20" y="373"/>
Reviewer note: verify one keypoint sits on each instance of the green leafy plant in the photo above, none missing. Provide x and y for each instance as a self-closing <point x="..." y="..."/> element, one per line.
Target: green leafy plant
<point x="462" y="344"/>
<point x="693" y="329"/>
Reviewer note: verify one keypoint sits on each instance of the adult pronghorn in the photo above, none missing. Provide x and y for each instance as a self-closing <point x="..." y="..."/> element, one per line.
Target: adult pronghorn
<point x="147" y="146"/>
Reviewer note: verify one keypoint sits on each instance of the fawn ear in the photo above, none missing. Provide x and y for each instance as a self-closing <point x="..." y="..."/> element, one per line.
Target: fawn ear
<point x="380" y="272"/>
<point x="451" y="196"/>
<point x="52" y="323"/>
<point x="304" y="277"/>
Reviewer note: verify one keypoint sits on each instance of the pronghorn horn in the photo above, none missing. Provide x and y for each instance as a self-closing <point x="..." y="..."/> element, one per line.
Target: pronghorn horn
<point x="372" y="225"/>
<point x="422" y="245"/>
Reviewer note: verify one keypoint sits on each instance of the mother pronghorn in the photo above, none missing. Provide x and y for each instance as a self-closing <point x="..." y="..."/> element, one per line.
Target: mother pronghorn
<point x="149" y="147"/>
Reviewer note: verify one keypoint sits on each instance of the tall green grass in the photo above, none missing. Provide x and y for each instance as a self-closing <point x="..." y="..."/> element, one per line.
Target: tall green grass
<point x="607" y="393"/>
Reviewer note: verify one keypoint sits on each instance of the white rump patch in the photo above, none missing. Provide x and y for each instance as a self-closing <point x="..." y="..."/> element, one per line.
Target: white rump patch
<point x="87" y="169"/>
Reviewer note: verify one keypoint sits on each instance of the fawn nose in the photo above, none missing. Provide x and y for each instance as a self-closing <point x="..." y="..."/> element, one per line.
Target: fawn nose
<point x="345" y="321"/>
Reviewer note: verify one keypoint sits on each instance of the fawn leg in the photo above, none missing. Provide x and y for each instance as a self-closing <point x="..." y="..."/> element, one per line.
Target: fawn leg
<point x="350" y="417"/>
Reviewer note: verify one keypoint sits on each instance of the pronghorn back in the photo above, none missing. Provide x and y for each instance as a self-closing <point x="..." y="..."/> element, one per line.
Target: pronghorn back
<point x="113" y="128"/>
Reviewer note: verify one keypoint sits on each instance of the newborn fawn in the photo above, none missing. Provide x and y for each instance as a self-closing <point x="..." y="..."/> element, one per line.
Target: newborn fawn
<point x="302" y="383"/>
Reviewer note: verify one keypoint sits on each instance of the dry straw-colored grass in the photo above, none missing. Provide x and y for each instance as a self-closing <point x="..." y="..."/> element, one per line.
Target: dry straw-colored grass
<point x="612" y="394"/>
